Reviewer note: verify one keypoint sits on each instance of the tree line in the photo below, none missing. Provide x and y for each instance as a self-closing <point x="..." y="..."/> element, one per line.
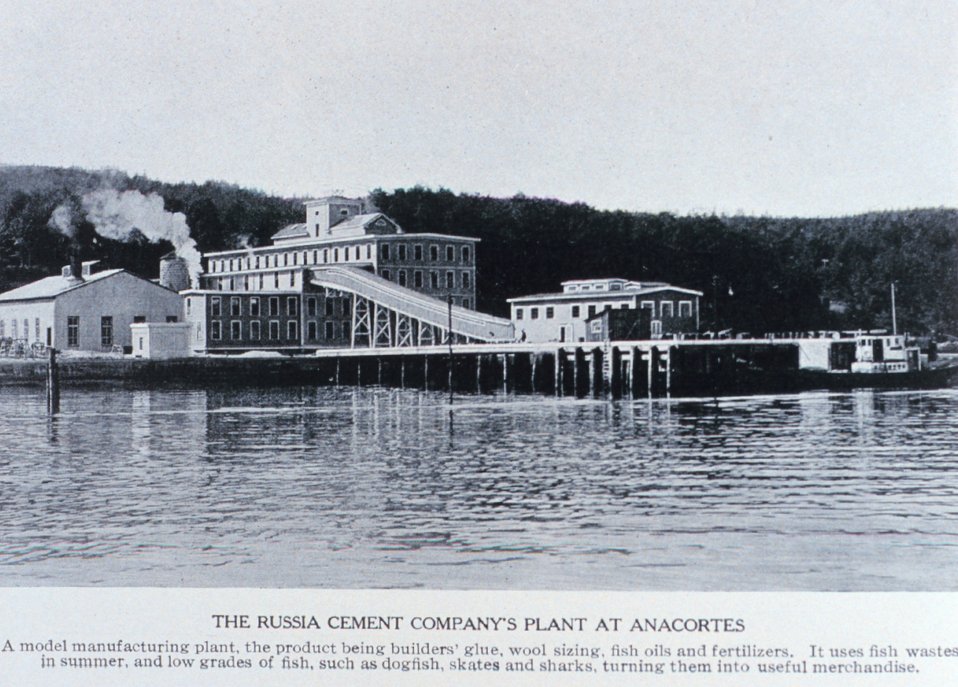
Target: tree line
<point x="757" y="274"/>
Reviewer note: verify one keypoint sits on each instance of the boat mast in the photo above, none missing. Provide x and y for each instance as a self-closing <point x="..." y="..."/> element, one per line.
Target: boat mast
<point x="894" y="321"/>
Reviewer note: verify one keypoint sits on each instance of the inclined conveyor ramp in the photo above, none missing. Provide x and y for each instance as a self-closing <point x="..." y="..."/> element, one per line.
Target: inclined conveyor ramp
<point x="413" y="304"/>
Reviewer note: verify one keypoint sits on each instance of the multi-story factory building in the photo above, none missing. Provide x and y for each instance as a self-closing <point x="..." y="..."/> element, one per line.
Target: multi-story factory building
<point x="337" y="232"/>
<point x="342" y="278"/>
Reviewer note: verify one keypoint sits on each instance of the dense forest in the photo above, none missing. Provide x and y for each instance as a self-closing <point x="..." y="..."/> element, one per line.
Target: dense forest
<point x="757" y="274"/>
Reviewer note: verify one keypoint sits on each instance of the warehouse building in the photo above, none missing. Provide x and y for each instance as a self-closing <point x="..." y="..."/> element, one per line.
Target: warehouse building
<point x="565" y="316"/>
<point x="83" y="309"/>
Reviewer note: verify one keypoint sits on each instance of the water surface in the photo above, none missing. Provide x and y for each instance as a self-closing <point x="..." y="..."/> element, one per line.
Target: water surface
<point x="306" y="487"/>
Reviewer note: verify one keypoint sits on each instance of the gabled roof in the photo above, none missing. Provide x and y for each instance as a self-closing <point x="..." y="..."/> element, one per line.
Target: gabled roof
<point x="292" y="231"/>
<point x="360" y="222"/>
<point x="50" y="287"/>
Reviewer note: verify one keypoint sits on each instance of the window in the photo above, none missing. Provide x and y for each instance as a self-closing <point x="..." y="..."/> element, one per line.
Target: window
<point x="292" y="305"/>
<point x="232" y="283"/>
<point x="465" y="254"/>
<point x="106" y="330"/>
<point x="16" y="328"/>
<point x="434" y="280"/>
<point x="311" y="330"/>
<point x="648" y="305"/>
<point x="385" y="274"/>
<point x="236" y="330"/>
<point x="402" y="277"/>
<point x="369" y="251"/>
<point x="417" y="279"/>
<point x="402" y="251"/>
<point x="311" y="306"/>
<point x="656" y="328"/>
<point x="575" y="310"/>
<point x="325" y="255"/>
<point x="329" y="306"/>
<point x="533" y="313"/>
<point x="170" y="319"/>
<point x="518" y="313"/>
<point x="346" y="309"/>
<point x="434" y="253"/>
<point x="261" y="282"/>
<point x="335" y="255"/>
<point x="345" y="328"/>
<point x="591" y="310"/>
<point x="3" y="328"/>
<point x="292" y="329"/>
<point x="36" y="330"/>
<point x="254" y="306"/>
<point x="234" y="306"/>
<point x="276" y="280"/>
<point x="666" y="309"/>
<point x="465" y="302"/>
<point x="465" y="280"/>
<point x="295" y="258"/>
<point x="450" y="279"/>
<point x="417" y="252"/>
<point x="384" y="251"/>
<point x="273" y="306"/>
<point x="685" y="308"/>
<point x="254" y="330"/>
<point x="550" y="312"/>
<point x="216" y="333"/>
<point x="215" y="306"/>
<point x="285" y="259"/>
<point x="329" y="330"/>
<point x="450" y="253"/>
<point x="273" y="330"/>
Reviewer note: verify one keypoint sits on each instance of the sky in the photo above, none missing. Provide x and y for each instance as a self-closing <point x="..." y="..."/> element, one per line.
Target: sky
<point x="779" y="108"/>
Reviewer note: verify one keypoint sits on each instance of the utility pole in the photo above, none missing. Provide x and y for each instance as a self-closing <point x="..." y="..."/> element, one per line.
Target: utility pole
<point x="894" y="319"/>
<point x="449" y="340"/>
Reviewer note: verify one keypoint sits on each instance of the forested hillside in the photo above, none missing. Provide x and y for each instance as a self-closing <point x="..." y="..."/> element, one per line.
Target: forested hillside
<point x="758" y="274"/>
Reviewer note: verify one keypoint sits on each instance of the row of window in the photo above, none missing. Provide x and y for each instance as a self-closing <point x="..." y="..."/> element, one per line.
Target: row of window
<point x="666" y="309"/>
<point x="465" y="279"/>
<point x="273" y="303"/>
<point x="273" y="330"/>
<point x="402" y="253"/>
<point x="323" y="256"/>
<point x="15" y="331"/>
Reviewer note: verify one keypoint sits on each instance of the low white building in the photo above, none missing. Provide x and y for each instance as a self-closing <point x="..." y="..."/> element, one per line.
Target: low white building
<point x="161" y="340"/>
<point x="562" y="316"/>
<point x="84" y="309"/>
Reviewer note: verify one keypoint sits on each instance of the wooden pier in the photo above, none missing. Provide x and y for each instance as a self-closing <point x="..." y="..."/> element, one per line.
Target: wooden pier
<point x="616" y="369"/>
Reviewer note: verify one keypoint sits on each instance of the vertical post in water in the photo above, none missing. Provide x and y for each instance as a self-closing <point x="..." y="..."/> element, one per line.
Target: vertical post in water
<point x="449" y="340"/>
<point x="557" y="373"/>
<point x="53" y="382"/>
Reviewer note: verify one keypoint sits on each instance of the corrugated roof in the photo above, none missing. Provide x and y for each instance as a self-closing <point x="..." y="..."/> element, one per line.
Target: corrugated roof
<point x="49" y="287"/>
<point x="292" y="231"/>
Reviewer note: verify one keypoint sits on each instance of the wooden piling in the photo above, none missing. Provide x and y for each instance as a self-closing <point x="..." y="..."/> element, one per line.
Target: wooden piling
<point x="53" y="382"/>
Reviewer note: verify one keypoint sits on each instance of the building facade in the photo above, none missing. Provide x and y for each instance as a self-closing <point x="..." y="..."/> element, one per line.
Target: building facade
<point x="84" y="309"/>
<point x="564" y="316"/>
<point x="287" y="320"/>
<point x="338" y="232"/>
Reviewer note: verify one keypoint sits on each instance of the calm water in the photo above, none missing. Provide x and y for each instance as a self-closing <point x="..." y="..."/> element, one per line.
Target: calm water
<point x="383" y="488"/>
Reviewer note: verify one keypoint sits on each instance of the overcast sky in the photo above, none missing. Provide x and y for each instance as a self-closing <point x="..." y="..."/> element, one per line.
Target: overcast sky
<point x="783" y="108"/>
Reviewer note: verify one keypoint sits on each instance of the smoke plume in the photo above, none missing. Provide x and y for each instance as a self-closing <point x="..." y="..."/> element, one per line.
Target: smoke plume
<point x="115" y="214"/>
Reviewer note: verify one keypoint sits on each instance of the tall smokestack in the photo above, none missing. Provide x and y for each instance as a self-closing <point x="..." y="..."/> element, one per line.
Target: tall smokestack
<point x="76" y="264"/>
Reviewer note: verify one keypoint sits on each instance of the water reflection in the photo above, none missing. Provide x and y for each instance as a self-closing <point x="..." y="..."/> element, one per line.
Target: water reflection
<point x="376" y="487"/>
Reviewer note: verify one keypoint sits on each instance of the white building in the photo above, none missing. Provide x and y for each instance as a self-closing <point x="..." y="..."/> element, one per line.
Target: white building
<point x="91" y="311"/>
<point x="562" y="316"/>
